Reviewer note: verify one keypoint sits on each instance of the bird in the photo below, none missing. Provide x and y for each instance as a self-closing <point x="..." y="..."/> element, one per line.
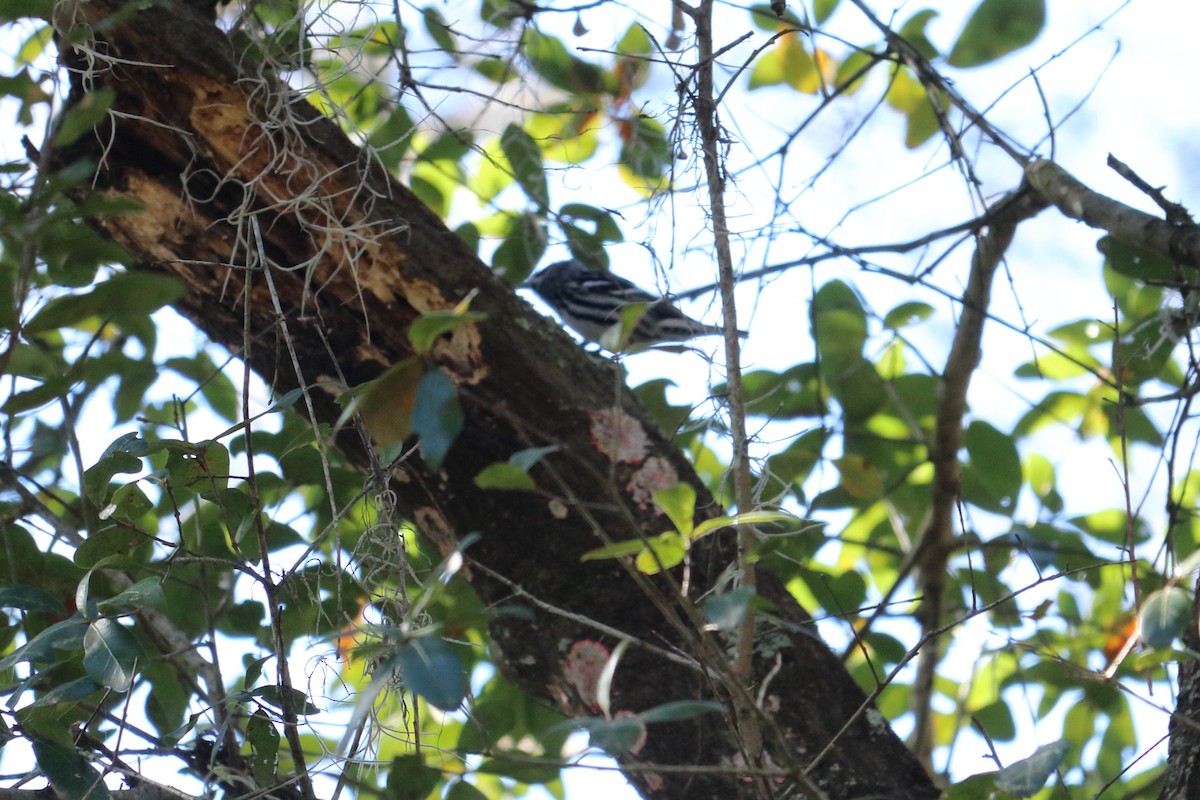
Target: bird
<point x="592" y="302"/>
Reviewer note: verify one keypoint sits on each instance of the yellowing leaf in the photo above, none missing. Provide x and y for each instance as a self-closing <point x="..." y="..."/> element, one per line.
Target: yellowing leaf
<point x="386" y="405"/>
<point x="678" y="502"/>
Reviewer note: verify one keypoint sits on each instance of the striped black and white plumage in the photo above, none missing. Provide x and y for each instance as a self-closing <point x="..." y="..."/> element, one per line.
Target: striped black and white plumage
<point x="591" y="300"/>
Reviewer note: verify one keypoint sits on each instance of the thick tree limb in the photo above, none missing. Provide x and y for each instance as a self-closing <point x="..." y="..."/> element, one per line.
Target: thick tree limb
<point x="1072" y="198"/>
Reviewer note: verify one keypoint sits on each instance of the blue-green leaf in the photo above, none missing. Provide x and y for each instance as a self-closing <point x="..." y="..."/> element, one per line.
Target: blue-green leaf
<point x="110" y="654"/>
<point x="1164" y="616"/>
<point x="1027" y="776"/>
<point x="437" y="416"/>
<point x="434" y="671"/>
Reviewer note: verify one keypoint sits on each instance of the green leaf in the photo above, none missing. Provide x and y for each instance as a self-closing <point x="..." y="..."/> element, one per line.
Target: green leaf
<point x="111" y="541"/>
<point x="513" y="474"/>
<point x="20" y="402"/>
<point x="125" y="294"/>
<point x="906" y="314"/>
<point x="69" y="693"/>
<point x="167" y="700"/>
<point x="992" y="478"/>
<point x="200" y="467"/>
<point x="839" y="323"/>
<point x="525" y="158"/>
<point x="43" y="648"/>
<point x="30" y="598"/>
<point x="430" y="326"/>
<point x="273" y="694"/>
<point x="681" y="710"/>
<point x="614" y="550"/>
<point x="437" y="416"/>
<point x="263" y="739"/>
<point x="146" y="593"/>
<point x="525" y="459"/>
<point x="750" y="518"/>
<point x="1109" y="525"/>
<point x="852" y="73"/>
<point x="70" y="773"/>
<point x="1058" y="366"/>
<point x="434" y="671"/>
<point x="726" y="611"/>
<point x="522" y="248"/>
<point x="1134" y="262"/>
<point x="913" y="31"/>
<point x="795" y="392"/>
<point x="215" y="385"/>
<point x="823" y="9"/>
<point x="410" y="778"/>
<point x="615" y="339"/>
<point x="13" y="10"/>
<point x="996" y="28"/>
<point x="765" y="18"/>
<point x="519" y="769"/>
<point x="393" y="138"/>
<point x="624" y="734"/>
<point x="84" y="116"/>
<point x="1164" y="616"/>
<point x="1027" y="776"/>
<point x="439" y="31"/>
<point x="645" y="153"/>
<point x="502" y="475"/>
<point x="678" y="502"/>
<point x="462" y="790"/>
<point x="666" y="551"/>
<point x="589" y="245"/>
<point x="129" y="503"/>
<point x="111" y="654"/>
<point x="1134" y="298"/>
<point x="550" y="59"/>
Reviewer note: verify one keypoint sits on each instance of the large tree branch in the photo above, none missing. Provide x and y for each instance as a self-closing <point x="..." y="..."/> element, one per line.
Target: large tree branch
<point x="1077" y="201"/>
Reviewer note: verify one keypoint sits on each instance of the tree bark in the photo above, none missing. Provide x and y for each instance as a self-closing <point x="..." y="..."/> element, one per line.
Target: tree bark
<point x="220" y="159"/>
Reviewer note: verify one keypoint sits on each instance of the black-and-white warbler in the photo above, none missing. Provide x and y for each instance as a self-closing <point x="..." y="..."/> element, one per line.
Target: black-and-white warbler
<point x="593" y="302"/>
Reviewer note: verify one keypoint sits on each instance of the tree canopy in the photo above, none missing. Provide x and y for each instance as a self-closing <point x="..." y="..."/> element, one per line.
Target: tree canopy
<point x="302" y="499"/>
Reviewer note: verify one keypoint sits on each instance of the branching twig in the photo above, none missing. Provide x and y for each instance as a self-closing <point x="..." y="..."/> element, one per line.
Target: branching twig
<point x="705" y="108"/>
<point x="938" y="541"/>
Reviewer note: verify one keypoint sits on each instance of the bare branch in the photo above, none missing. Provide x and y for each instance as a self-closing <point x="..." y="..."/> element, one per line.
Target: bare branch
<point x="1072" y="198"/>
